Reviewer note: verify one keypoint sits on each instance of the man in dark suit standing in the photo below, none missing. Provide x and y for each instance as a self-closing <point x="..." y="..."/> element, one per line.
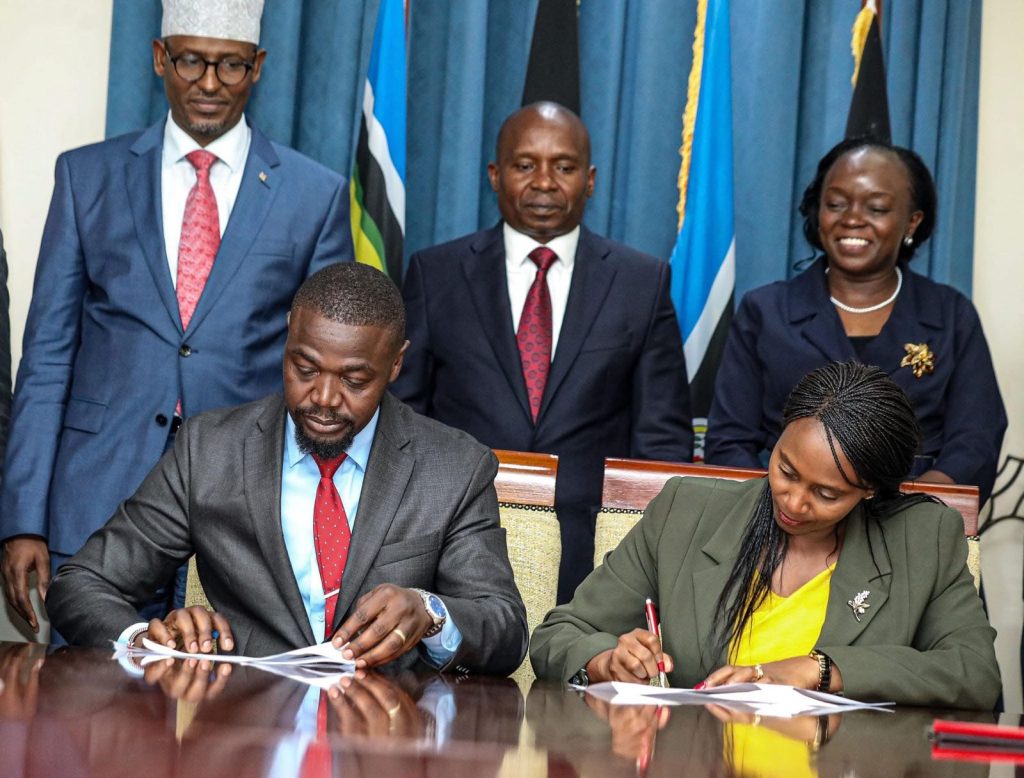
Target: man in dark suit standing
<point x="169" y="259"/>
<point x="538" y="335"/>
<point x="334" y="512"/>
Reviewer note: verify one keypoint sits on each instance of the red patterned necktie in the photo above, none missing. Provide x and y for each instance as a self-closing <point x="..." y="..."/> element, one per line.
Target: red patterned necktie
<point x="534" y="335"/>
<point x="331" y="536"/>
<point x="200" y="236"/>
<point x="317" y="762"/>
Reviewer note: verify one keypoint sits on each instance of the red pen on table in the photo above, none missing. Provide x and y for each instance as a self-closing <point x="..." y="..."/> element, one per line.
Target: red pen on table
<point x="655" y="627"/>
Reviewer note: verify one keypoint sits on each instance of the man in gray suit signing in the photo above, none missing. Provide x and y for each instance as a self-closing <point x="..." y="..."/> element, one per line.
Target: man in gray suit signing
<point x="333" y="512"/>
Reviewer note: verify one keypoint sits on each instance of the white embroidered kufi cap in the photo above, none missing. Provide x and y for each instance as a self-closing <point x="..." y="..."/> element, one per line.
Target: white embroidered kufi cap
<point x="233" y="20"/>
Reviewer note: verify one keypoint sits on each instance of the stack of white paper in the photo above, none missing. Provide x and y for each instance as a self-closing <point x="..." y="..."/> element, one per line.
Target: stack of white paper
<point x="764" y="699"/>
<point x="320" y="665"/>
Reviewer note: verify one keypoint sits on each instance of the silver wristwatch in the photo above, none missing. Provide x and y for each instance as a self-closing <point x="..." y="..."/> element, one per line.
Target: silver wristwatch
<point x="434" y="607"/>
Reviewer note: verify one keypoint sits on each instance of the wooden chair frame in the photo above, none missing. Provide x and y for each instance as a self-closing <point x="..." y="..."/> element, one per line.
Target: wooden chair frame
<point x="526" y="479"/>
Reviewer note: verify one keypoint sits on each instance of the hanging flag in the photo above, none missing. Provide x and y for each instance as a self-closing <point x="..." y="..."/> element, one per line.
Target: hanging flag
<point x="869" y="108"/>
<point x="378" y="174"/>
<point x="704" y="258"/>
<point x="553" y="72"/>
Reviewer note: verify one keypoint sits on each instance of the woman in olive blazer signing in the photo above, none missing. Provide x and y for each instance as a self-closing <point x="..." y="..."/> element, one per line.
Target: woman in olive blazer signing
<point x="821" y="576"/>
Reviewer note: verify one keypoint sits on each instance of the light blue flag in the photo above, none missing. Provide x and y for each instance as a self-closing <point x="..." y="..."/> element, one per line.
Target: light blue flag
<point x="703" y="260"/>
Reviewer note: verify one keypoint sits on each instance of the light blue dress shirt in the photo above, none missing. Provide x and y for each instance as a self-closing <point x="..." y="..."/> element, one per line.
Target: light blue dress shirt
<point x="300" y="477"/>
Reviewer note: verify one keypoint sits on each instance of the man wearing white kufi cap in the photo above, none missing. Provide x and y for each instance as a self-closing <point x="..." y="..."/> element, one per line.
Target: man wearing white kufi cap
<point x="232" y="20"/>
<point x="167" y="267"/>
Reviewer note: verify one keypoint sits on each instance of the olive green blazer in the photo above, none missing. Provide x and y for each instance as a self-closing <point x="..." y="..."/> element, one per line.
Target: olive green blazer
<point x="923" y="638"/>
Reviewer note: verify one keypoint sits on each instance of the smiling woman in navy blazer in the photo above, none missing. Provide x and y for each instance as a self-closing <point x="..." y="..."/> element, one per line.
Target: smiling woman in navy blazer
<point x="867" y="209"/>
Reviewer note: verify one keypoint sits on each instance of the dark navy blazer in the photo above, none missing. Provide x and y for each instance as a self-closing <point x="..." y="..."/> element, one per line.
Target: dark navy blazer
<point x="617" y="385"/>
<point x="105" y="359"/>
<point x="784" y="330"/>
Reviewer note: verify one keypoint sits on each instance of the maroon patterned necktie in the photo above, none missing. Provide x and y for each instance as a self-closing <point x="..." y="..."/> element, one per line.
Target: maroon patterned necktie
<point x="331" y="536"/>
<point x="534" y="335"/>
<point x="200" y="237"/>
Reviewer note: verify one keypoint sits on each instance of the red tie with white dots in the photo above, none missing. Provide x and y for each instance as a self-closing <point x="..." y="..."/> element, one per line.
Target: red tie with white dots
<point x="200" y="237"/>
<point x="534" y="334"/>
<point x="199" y="242"/>
<point x="331" y="536"/>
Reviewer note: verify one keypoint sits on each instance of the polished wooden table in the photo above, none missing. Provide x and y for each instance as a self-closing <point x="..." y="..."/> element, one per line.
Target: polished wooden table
<point x="70" y="712"/>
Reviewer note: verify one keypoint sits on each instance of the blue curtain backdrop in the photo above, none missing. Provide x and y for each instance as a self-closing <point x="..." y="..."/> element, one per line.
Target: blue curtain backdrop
<point x="467" y="62"/>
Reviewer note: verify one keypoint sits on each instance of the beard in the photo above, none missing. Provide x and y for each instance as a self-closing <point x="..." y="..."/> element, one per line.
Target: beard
<point x="323" y="449"/>
<point x="206" y="128"/>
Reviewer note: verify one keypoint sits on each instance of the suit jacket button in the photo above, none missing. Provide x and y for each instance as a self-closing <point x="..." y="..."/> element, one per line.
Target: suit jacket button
<point x="161" y="420"/>
<point x="185" y="350"/>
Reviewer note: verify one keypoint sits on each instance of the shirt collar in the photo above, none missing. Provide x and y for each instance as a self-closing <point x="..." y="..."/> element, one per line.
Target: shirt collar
<point x="358" y="452"/>
<point x="231" y="147"/>
<point x="518" y="247"/>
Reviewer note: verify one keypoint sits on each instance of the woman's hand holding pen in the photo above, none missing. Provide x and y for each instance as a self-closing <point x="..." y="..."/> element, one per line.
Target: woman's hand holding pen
<point x="633" y="660"/>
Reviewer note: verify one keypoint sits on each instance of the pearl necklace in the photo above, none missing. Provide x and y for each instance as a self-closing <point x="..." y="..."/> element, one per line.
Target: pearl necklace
<point x="870" y="308"/>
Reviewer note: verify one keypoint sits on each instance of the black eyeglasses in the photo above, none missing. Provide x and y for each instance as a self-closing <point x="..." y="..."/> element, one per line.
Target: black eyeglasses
<point x="191" y="67"/>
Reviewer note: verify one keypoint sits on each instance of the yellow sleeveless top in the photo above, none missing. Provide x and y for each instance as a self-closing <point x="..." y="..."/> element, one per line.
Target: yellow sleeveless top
<point x="783" y="627"/>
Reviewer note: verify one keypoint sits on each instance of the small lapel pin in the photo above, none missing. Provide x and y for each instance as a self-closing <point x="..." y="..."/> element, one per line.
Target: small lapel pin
<point x="263" y="177"/>
<point x="859" y="604"/>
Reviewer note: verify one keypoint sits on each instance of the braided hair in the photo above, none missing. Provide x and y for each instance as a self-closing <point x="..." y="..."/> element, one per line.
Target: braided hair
<point x="871" y="420"/>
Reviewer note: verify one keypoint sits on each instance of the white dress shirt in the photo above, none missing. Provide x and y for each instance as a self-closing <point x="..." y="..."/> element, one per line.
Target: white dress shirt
<point x="178" y="176"/>
<point x="520" y="271"/>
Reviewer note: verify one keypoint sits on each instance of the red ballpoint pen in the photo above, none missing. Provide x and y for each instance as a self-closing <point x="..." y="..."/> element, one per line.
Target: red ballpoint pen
<point x="655" y="627"/>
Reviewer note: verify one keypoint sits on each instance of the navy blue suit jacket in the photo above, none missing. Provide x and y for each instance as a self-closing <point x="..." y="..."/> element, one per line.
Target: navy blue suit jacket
<point x="617" y="385"/>
<point x="784" y="330"/>
<point x="105" y="359"/>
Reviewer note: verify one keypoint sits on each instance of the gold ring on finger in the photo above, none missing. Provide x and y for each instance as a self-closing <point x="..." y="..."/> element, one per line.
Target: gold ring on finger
<point x="758" y="673"/>
<point x="392" y="712"/>
<point x="400" y="634"/>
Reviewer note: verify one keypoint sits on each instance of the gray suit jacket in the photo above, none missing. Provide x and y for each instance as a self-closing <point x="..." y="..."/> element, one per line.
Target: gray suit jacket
<point x="923" y="640"/>
<point x="428" y="517"/>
